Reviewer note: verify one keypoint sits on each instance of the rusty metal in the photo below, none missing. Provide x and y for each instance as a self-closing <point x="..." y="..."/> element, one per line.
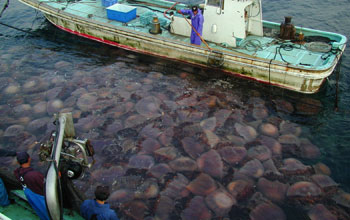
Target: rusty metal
<point x="155" y="26"/>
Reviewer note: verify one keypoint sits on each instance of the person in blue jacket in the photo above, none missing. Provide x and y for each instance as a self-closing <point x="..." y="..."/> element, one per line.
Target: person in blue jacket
<point x="98" y="208"/>
<point x="197" y="20"/>
<point x="4" y="200"/>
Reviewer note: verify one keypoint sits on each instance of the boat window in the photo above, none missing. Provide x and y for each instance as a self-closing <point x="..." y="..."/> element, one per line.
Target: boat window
<point x="214" y="3"/>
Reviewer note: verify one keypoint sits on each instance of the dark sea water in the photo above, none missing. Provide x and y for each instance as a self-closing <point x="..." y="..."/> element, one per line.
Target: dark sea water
<point x="44" y="70"/>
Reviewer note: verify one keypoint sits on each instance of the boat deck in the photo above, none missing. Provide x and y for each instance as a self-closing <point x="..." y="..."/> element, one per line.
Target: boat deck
<point x="306" y="55"/>
<point x="20" y="209"/>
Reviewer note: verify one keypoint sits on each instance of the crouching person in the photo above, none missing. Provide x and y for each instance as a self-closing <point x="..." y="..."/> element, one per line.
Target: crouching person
<point x="98" y="208"/>
<point x="33" y="185"/>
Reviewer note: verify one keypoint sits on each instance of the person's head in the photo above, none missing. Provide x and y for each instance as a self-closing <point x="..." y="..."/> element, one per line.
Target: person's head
<point x="195" y="9"/>
<point x="23" y="158"/>
<point x="102" y="193"/>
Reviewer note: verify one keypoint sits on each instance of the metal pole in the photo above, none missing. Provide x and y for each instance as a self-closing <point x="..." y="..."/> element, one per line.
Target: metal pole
<point x="51" y="184"/>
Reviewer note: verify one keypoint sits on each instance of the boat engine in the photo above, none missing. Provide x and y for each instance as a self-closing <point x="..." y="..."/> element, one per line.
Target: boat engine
<point x="67" y="157"/>
<point x="73" y="158"/>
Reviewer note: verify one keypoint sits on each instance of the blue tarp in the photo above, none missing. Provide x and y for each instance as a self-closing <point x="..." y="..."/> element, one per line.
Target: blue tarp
<point x="4" y="201"/>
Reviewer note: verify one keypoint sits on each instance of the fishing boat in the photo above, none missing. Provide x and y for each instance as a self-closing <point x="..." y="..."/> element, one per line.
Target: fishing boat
<point x="235" y="38"/>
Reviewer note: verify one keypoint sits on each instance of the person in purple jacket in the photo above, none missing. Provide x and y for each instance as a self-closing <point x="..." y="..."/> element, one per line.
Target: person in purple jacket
<point x="97" y="208"/>
<point x="33" y="185"/>
<point x="197" y="23"/>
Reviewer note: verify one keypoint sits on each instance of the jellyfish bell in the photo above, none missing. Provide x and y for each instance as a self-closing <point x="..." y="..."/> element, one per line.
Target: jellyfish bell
<point x="164" y="207"/>
<point x="233" y="155"/>
<point x="292" y="166"/>
<point x="211" y="163"/>
<point x="326" y="183"/>
<point x="268" y="129"/>
<point x="220" y="202"/>
<point x="320" y="212"/>
<point x="192" y="147"/>
<point x="304" y="191"/>
<point x="247" y="132"/>
<point x="240" y="189"/>
<point x="141" y="162"/>
<point x="177" y="187"/>
<point x="266" y="211"/>
<point x="259" y="152"/>
<point x="183" y="164"/>
<point x="202" y="185"/>
<point x="273" y="190"/>
<point x="253" y="169"/>
<point x="196" y="210"/>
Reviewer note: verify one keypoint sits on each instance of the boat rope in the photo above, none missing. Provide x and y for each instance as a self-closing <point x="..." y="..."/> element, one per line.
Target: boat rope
<point x="169" y="9"/>
<point x="10" y="26"/>
<point x="337" y="70"/>
<point x="270" y="71"/>
<point x="215" y="59"/>
<point x="18" y="29"/>
<point x="5" y="6"/>
<point x="258" y="13"/>
<point x="251" y="45"/>
<point x="148" y="7"/>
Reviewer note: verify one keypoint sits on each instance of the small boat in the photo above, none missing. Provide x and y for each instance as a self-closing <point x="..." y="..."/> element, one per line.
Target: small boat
<point x="21" y="209"/>
<point x="235" y="39"/>
<point x="66" y="158"/>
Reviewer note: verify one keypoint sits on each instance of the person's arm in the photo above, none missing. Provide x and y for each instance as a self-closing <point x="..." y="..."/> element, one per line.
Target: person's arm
<point x="113" y="215"/>
<point x="84" y="209"/>
<point x="7" y="153"/>
<point x="185" y="11"/>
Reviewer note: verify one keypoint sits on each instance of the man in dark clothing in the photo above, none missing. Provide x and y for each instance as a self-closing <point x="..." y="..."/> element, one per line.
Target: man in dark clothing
<point x="4" y="200"/>
<point x="98" y="208"/>
<point x="33" y="185"/>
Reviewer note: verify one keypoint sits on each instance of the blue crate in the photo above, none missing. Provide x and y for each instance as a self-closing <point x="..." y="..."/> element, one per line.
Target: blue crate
<point x="107" y="3"/>
<point x="122" y="13"/>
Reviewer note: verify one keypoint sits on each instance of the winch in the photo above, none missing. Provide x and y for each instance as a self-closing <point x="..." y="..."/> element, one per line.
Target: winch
<point x="67" y="156"/>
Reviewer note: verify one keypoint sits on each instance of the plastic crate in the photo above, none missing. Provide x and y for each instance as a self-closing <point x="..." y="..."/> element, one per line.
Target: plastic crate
<point x="122" y="13"/>
<point x="107" y="3"/>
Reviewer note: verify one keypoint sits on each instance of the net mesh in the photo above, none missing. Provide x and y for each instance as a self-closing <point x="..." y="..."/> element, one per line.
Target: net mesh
<point x="147" y="18"/>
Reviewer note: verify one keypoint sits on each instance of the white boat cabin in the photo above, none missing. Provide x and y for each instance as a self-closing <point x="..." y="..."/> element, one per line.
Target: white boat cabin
<point x="225" y="21"/>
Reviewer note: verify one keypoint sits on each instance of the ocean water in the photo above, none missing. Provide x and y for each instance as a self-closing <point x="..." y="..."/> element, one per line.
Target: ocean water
<point x="36" y="57"/>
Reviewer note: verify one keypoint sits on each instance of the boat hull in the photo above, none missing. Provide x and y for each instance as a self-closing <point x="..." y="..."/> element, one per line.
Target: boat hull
<point x="263" y="70"/>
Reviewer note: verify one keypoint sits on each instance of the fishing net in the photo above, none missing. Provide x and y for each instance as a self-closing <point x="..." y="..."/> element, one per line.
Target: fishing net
<point x="316" y="39"/>
<point x="188" y="2"/>
<point x="320" y="47"/>
<point x="147" y="18"/>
